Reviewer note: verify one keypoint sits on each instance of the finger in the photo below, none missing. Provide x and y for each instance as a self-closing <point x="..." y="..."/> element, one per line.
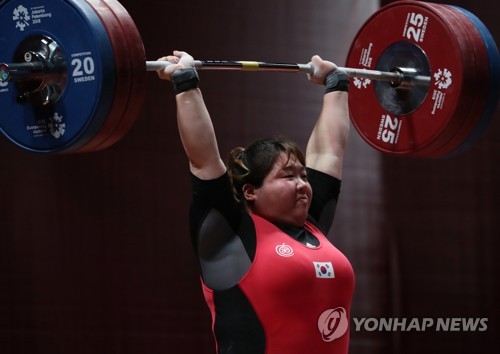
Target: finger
<point x="170" y="58"/>
<point x="167" y="72"/>
<point x="316" y="60"/>
<point x="332" y="65"/>
<point x="180" y="53"/>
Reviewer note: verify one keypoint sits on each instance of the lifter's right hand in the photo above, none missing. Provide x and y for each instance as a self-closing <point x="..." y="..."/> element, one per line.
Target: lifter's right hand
<point x="178" y="60"/>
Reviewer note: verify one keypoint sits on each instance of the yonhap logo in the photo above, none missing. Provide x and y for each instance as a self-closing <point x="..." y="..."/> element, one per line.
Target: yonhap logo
<point x="454" y="324"/>
<point x="333" y="324"/>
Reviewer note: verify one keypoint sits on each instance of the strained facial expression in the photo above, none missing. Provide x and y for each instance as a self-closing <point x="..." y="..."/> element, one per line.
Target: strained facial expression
<point x="285" y="195"/>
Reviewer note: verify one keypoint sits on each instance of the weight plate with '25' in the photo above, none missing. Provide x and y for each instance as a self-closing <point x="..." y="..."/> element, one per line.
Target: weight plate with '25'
<point x="416" y="120"/>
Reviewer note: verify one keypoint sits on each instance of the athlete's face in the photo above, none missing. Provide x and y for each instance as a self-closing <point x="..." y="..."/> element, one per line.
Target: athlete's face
<point x="285" y="195"/>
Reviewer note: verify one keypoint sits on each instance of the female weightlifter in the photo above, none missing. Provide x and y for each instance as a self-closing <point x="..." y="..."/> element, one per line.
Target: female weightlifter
<point x="273" y="282"/>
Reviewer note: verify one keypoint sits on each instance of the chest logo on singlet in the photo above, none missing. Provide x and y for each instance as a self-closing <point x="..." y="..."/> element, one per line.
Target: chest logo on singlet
<point x="333" y="323"/>
<point x="284" y="250"/>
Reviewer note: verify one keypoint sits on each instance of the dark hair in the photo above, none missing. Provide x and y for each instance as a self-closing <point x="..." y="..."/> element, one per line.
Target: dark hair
<point x="252" y="165"/>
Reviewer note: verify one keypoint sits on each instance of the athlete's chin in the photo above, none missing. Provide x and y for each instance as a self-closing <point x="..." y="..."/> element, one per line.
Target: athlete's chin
<point x="300" y="218"/>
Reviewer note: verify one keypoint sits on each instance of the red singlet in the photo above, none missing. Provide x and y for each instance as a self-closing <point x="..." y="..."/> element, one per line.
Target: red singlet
<point x="300" y="295"/>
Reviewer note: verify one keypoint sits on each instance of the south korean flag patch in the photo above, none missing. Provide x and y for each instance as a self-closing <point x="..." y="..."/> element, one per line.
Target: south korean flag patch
<point x="324" y="270"/>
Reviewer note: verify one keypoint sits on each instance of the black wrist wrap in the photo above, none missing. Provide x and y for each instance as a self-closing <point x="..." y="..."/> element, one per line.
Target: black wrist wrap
<point x="184" y="79"/>
<point x="337" y="81"/>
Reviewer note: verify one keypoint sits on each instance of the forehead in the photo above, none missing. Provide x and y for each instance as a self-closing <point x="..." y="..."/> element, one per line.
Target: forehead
<point x="287" y="163"/>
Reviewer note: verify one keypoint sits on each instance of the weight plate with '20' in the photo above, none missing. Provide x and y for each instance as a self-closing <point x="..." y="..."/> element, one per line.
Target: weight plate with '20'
<point x="88" y="57"/>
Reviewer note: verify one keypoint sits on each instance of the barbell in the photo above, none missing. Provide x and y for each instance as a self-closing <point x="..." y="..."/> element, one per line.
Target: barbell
<point x="80" y="90"/>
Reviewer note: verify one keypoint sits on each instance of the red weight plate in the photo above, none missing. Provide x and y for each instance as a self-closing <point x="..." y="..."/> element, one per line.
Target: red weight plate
<point x="449" y="138"/>
<point x="130" y="66"/>
<point x="440" y="114"/>
<point x="114" y="115"/>
<point x="137" y="70"/>
<point x="122" y="86"/>
<point x="476" y="49"/>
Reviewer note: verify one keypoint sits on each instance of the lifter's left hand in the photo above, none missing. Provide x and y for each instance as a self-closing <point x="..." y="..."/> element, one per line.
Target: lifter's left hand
<point x="321" y="69"/>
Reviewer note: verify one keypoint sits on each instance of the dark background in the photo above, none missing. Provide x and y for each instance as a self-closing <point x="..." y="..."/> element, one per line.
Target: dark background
<point x="94" y="249"/>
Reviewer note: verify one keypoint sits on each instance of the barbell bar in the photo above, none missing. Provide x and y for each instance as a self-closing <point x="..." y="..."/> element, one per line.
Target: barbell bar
<point x="418" y="100"/>
<point x="404" y="77"/>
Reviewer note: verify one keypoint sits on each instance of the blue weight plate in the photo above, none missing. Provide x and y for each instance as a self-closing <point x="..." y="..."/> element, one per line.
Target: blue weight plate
<point x="83" y="106"/>
<point x="477" y="89"/>
<point x="493" y="94"/>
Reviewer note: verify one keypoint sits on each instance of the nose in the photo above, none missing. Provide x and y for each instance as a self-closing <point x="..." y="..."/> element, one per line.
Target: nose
<point x="301" y="184"/>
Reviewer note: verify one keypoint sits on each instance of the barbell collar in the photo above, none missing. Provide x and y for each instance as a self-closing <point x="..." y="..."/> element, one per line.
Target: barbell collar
<point x="23" y="71"/>
<point x="30" y="71"/>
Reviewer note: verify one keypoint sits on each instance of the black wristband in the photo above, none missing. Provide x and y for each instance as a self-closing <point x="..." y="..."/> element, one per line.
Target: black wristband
<point x="337" y="80"/>
<point x="184" y="79"/>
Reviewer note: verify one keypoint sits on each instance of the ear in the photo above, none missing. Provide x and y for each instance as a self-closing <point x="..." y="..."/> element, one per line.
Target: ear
<point x="249" y="192"/>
